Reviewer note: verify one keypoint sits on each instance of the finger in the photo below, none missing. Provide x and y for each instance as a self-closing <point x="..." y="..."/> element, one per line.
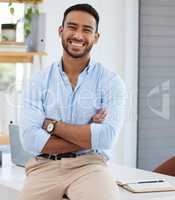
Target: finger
<point x="99" y="116"/>
<point x="96" y="119"/>
<point x="101" y="111"/>
<point x="96" y="116"/>
<point x="99" y="119"/>
<point x="102" y="115"/>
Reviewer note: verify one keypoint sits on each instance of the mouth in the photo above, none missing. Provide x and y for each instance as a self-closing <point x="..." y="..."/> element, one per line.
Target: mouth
<point x="77" y="44"/>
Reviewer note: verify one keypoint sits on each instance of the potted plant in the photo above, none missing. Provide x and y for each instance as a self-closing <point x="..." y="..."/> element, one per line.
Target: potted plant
<point x="30" y="21"/>
<point x="8" y="32"/>
<point x="30" y="11"/>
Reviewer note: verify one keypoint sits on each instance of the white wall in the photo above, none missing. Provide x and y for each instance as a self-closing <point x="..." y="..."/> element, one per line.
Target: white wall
<point x="131" y="79"/>
<point x="111" y="26"/>
<point x="117" y="49"/>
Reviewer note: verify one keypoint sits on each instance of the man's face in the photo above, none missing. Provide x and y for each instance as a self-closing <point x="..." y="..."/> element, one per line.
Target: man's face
<point x="78" y="34"/>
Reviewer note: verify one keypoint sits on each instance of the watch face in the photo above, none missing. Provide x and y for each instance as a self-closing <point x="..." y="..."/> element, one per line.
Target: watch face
<point x="50" y="127"/>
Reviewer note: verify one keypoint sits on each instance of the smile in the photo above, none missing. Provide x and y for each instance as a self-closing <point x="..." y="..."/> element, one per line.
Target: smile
<point x="77" y="44"/>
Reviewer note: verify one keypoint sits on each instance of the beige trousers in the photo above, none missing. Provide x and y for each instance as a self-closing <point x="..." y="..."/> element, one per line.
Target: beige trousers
<point x="82" y="178"/>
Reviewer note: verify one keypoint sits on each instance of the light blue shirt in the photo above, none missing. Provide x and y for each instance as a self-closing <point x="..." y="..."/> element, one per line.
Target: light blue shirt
<point x="49" y="94"/>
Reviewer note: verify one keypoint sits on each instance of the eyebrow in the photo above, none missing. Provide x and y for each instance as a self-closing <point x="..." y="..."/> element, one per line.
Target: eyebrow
<point x="75" y="24"/>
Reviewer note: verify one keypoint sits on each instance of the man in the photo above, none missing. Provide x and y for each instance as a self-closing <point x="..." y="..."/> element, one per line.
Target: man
<point x="73" y="111"/>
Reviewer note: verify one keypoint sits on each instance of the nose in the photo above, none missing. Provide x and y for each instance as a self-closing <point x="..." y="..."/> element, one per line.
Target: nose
<point x="78" y="35"/>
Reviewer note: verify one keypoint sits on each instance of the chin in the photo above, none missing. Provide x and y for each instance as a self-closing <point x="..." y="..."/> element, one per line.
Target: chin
<point x="76" y="55"/>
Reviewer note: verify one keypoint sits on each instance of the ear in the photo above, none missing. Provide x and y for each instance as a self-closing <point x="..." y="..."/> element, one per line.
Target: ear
<point x="97" y="35"/>
<point x="60" y="30"/>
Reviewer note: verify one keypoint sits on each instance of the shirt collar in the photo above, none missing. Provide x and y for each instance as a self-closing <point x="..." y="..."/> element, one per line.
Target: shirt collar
<point x="89" y="67"/>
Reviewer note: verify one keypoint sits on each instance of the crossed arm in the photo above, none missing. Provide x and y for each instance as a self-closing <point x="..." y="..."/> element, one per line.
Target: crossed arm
<point x="68" y="138"/>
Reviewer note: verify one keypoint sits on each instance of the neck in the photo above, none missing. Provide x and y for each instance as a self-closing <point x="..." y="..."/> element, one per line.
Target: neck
<point x="74" y="66"/>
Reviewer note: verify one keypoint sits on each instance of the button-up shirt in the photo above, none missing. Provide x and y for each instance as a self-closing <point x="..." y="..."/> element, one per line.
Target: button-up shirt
<point x="49" y="94"/>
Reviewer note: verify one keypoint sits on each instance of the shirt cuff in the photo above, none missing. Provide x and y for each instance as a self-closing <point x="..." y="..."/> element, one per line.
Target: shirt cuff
<point x="95" y="134"/>
<point x="41" y="140"/>
<point x="103" y="136"/>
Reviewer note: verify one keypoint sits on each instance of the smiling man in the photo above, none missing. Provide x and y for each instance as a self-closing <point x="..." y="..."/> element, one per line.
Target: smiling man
<point x="73" y="112"/>
<point x="78" y="45"/>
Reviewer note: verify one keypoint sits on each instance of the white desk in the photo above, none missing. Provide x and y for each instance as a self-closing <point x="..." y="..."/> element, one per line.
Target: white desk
<point x="131" y="174"/>
<point x="12" y="177"/>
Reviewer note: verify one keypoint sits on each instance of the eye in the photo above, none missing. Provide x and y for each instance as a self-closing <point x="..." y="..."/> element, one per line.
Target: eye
<point x="87" y="30"/>
<point x="71" y="27"/>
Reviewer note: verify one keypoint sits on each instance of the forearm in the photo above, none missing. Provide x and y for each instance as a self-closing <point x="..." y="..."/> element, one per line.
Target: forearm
<point x="56" y="145"/>
<point x="77" y="134"/>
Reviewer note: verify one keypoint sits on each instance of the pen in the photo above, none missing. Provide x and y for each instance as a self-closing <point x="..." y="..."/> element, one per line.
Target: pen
<point x="142" y="182"/>
<point x="153" y="181"/>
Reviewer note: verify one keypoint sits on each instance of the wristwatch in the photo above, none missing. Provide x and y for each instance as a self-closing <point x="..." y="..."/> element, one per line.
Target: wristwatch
<point x="50" y="127"/>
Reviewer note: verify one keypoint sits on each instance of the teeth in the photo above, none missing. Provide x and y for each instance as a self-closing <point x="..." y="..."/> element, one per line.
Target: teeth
<point x="77" y="44"/>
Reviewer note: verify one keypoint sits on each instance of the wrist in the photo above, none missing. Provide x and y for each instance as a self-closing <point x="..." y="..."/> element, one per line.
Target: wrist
<point x="50" y="126"/>
<point x="57" y="128"/>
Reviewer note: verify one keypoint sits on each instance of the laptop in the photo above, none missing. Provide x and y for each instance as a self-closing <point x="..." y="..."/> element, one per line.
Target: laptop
<point x="18" y="155"/>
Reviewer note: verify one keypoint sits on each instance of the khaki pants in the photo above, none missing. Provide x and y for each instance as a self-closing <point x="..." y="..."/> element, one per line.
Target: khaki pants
<point x="82" y="178"/>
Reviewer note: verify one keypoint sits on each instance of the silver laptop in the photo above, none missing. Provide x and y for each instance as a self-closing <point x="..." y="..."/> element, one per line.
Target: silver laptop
<point x="18" y="155"/>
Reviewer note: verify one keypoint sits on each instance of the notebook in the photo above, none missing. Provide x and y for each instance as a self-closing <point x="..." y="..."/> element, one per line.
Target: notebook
<point x="154" y="185"/>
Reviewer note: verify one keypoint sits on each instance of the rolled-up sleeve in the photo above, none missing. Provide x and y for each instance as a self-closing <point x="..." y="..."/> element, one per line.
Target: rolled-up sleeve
<point x="32" y="116"/>
<point x="114" y="96"/>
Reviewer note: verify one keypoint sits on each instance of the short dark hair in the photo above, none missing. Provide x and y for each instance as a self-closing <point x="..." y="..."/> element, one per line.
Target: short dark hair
<point x="85" y="8"/>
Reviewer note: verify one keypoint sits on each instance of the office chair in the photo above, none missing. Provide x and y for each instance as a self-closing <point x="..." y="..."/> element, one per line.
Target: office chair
<point x="167" y="167"/>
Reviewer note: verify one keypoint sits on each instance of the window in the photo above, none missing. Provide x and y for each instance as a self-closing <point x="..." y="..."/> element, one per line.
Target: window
<point x="7" y="76"/>
<point x="12" y="76"/>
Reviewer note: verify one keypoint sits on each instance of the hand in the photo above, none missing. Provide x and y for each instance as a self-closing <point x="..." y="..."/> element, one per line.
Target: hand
<point x="99" y="117"/>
